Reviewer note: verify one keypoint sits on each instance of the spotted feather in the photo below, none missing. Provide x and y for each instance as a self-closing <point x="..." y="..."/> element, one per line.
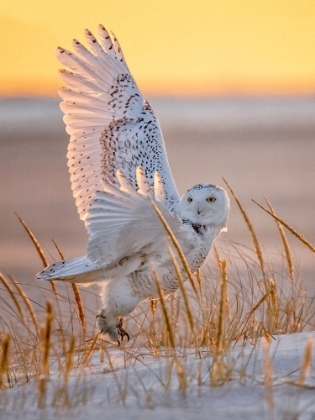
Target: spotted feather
<point x="111" y="126"/>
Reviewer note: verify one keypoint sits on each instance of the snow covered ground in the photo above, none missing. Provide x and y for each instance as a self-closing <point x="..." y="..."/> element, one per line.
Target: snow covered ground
<point x="160" y="388"/>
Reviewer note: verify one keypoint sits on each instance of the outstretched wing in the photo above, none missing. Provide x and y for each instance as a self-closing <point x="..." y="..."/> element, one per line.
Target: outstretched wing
<point x="111" y="126"/>
<point x="123" y="224"/>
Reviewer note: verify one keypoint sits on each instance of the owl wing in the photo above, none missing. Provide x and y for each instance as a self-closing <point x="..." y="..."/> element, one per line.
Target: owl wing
<point x="122" y="222"/>
<point x="110" y="124"/>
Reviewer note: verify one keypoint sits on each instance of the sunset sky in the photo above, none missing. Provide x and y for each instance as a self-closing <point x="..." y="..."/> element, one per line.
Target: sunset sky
<point x="182" y="47"/>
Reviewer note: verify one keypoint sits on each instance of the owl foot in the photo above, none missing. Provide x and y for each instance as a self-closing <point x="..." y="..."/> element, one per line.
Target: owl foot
<point x="122" y="332"/>
<point x="108" y="325"/>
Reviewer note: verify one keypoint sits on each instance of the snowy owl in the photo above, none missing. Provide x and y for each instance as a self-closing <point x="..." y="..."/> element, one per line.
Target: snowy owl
<point x="118" y="167"/>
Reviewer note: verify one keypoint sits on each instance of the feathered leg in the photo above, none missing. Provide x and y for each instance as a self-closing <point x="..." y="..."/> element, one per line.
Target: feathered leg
<point x="119" y="300"/>
<point x="108" y="324"/>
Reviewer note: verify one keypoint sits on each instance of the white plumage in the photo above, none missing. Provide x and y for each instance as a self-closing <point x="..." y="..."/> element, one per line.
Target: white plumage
<point x="118" y="165"/>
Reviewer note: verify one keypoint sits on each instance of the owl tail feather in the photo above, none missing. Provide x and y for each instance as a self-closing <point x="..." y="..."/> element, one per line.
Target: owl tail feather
<point x="74" y="270"/>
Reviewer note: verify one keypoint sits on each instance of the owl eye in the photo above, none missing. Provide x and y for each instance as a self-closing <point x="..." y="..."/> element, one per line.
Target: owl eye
<point x="210" y="199"/>
<point x="189" y="199"/>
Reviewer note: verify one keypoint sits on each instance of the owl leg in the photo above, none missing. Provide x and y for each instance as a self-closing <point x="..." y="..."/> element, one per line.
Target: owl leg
<point x="108" y="324"/>
<point x="118" y="300"/>
<point x="122" y="332"/>
<point x="112" y="326"/>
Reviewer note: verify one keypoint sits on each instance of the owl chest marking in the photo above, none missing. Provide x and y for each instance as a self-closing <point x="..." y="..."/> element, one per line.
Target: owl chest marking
<point x="199" y="229"/>
<point x="204" y="241"/>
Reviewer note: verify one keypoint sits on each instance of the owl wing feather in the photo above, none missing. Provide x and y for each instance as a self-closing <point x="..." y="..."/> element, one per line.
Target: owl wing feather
<point x="111" y="126"/>
<point x="122" y="222"/>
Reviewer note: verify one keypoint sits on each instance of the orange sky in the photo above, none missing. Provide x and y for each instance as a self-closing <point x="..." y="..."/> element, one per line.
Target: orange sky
<point x="188" y="47"/>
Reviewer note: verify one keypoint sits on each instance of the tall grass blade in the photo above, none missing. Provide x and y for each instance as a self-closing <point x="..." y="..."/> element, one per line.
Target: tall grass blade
<point x="45" y="344"/>
<point x="250" y="228"/>
<point x="46" y="338"/>
<point x="284" y="241"/>
<point x="222" y="308"/>
<point x="78" y="300"/>
<point x="182" y="288"/>
<point x="12" y="294"/>
<point x="163" y="305"/>
<point x="89" y="352"/>
<point x="77" y="296"/>
<point x="4" y="363"/>
<point x="38" y="249"/>
<point x="290" y="228"/>
<point x="35" y="241"/>
<point x="306" y="362"/>
<point x="27" y="303"/>
<point x="59" y="250"/>
<point x="268" y="377"/>
<point x="177" y="246"/>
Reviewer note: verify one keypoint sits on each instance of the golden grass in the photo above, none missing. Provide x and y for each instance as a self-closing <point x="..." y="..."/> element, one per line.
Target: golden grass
<point x="306" y="362"/>
<point x="223" y="308"/>
<point x="89" y="353"/>
<point x="285" y="242"/>
<point x="290" y="228"/>
<point x="4" y="363"/>
<point x="46" y="339"/>
<point x="169" y="328"/>
<point x="268" y="376"/>
<point x="34" y="240"/>
<point x="250" y="228"/>
<point x="182" y="289"/>
<point x="45" y="347"/>
<point x="12" y="295"/>
<point x="178" y="248"/>
<point x="77" y="297"/>
<point x="217" y="308"/>
<point x="27" y="303"/>
<point x="38" y="248"/>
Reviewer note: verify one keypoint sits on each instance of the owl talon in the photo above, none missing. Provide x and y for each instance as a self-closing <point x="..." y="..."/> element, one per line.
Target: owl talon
<point x="124" y="334"/>
<point x="121" y="331"/>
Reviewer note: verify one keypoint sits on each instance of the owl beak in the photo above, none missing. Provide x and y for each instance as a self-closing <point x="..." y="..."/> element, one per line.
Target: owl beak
<point x="198" y="210"/>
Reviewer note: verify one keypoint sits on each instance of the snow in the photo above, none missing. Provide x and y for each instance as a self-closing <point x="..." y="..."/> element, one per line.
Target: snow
<point x="145" y="387"/>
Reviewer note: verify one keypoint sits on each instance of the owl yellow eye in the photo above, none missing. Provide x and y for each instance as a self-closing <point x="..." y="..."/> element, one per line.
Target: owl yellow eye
<point x="210" y="199"/>
<point x="189" y="199"/>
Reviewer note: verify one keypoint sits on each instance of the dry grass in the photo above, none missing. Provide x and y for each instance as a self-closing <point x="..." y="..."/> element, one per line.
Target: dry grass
<point x="4" y="363"/>
<point x="237" y="300"/>
<point x="306" y="362"/>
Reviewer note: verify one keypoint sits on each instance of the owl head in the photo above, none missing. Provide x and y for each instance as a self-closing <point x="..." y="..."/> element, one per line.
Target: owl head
<point x="205" y="204"/>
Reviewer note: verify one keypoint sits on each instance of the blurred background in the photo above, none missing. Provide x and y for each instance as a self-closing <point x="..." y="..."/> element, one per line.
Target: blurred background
<point x="232" y="84"/>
